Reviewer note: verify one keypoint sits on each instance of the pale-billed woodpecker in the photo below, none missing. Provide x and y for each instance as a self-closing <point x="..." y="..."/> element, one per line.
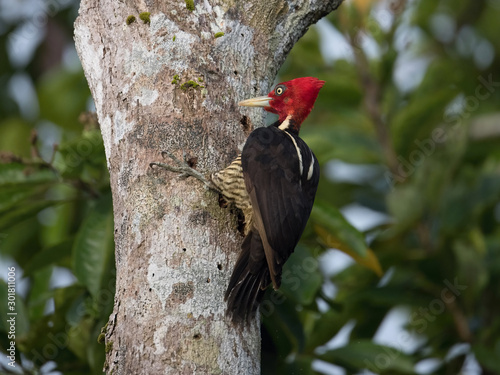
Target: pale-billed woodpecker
<point x="273" y="181"/>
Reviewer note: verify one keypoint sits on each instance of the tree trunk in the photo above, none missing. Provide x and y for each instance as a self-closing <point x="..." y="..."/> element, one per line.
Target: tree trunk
<point x="170" y="84"/>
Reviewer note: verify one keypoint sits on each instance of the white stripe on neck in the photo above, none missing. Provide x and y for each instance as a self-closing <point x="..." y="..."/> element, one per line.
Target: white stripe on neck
<point x="285" y="124"/>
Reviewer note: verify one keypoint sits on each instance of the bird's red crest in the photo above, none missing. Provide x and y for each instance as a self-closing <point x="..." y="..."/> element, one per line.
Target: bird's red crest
<point x="294" y="98"/>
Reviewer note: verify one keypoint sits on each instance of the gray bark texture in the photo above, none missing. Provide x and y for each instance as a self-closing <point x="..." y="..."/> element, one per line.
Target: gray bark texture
<point x="175" y="247"/>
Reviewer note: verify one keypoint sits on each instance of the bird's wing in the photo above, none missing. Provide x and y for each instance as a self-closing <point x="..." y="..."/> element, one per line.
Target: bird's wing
<point x="280" y="193"/>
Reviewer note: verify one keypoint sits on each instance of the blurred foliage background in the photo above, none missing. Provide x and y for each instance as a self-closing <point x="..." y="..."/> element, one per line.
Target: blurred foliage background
<point x="399" y="269"/>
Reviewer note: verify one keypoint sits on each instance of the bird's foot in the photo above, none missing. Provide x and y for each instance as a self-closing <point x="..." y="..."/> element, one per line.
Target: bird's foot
<point x="181" y="167"/>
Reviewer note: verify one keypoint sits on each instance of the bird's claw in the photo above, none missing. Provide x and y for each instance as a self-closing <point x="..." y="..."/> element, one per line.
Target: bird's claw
<point x="172" y="156"/>
<point x="182" y="167"/>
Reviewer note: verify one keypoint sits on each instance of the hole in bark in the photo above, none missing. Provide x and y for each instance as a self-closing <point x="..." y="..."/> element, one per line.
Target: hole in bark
<point x="219" y="266"/>
<point x="208" y="280"/>
<point x="184" y="249"/>
<point x="235" y="73"/>
<point x="192" y="162"/>
<point x="222" y="202"/>
<point x="246" y="124"/>
<point x="150" y="289"/>
<point x="197" y="336"/>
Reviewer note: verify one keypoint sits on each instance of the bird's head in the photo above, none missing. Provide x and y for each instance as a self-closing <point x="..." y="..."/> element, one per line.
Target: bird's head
<point x="292" y="101"/>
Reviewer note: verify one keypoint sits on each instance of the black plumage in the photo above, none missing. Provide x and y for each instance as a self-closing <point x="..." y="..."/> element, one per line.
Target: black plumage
<point x="281" y="176"/>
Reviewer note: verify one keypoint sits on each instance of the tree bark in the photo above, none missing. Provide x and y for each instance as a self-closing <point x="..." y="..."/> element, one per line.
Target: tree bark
<point x="175" y="247"/>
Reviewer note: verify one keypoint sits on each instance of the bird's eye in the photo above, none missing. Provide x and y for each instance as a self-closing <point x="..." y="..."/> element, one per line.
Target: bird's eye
<point x="279" y="90"/>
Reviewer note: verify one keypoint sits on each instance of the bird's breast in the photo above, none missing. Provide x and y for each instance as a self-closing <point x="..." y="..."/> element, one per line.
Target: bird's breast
<point x="231" y="183"/>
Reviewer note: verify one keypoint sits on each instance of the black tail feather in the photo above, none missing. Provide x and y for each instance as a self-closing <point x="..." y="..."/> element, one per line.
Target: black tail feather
<point x="249" y="279"/>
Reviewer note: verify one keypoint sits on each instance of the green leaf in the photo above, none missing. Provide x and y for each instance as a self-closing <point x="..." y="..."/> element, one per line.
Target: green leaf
<point x="14" y="134"/>
<point x="475" y="191"/>
<point x="414" y="123"/>
<point x="19" y="186"/>
<point x="58" y="255"/>
<point x="15" y="175"/>
<point x="488" y="357"/>
<point x="282" y="322"/>
<point x="70" y="304"/>
<point x="26" y="211"/>
<point x="469" y="250"/>
<point x="301" y="278"/>
<point x="344" y="144"/>
<point x="301" y="365"/>
<point x="10" y="197"/>
<point x="406" y="205"/>
<point x="82" y="154"/>
<point x="365" y="354"/>
<point x="389" y="296"/>
<point x="93" y="249"/>
<point x="79" y="337"/>
<point x="325" y="327"/>
<point x="62" y="96"/>
<point x="330" y="219"/>
<point x="39" y="293"/>
<point x="96" y="352"/>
